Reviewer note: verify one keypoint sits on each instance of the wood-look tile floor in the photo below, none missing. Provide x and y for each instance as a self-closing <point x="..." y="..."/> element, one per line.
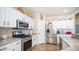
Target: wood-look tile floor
<point x="46" y="47"/>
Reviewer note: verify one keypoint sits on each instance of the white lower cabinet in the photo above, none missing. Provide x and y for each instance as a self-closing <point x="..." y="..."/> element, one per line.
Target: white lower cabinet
<point x="15" y="46"/>
<point x="5" y="48"/>
<point x="34" y="41"/>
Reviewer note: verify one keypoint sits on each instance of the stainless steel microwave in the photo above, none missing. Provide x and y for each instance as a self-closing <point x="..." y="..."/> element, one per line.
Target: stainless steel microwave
<point x="22" y="24"/>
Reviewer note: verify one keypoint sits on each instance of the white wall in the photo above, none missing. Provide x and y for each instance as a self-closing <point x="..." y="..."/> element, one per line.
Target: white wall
<point x="41" y="31"/>
<point x="39" y="28"/>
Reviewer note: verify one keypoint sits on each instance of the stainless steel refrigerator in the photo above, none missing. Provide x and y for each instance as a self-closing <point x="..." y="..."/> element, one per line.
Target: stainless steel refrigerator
<point x="51" y="37"/>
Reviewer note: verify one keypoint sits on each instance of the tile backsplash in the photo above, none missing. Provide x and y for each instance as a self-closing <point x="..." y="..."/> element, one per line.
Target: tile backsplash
<point x="8" y="31"/>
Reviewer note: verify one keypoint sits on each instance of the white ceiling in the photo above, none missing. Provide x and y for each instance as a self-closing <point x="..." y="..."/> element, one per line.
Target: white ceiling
<point x="53" y="11"/>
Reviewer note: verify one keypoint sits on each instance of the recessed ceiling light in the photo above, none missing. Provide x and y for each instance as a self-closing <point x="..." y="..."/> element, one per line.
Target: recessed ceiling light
<point x="65" y="11"/>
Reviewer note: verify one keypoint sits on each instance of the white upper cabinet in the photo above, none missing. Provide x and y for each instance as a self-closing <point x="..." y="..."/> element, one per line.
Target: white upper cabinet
<point x="8" y="17"/>
<point x="23" y="17"/>
<point x="19" y="15"/>
<point x="30" y="21"/>
<point x="2" y="16"/>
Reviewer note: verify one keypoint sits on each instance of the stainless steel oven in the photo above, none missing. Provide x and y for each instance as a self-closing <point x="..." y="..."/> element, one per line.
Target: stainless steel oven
<point x="26" y="39"/>
<point x="26" y="44"/>
<point x="22" y="24"/>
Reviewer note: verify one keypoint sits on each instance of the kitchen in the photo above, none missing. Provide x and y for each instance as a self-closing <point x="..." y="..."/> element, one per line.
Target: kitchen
<point x="35" y="29"/>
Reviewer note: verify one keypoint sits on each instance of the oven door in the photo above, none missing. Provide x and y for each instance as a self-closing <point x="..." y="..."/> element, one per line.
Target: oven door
<point x="27" y="45"/>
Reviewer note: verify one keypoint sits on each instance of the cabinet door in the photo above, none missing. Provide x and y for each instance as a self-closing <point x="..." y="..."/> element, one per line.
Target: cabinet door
<point x="34" y="40"/>
<point x="30" y="21"/>
<point x="2" y="17"/>
<point x="20" y="16"/>
<point x="17" y="46"/>
<point x="7" y="17"/>
<point x="10" y="17"/>
<point x="4" y="21"/>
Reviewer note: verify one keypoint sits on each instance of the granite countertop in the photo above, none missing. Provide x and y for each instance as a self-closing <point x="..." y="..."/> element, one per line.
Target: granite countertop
<point x="72" y="42"/>
<point x="8" y="41"/>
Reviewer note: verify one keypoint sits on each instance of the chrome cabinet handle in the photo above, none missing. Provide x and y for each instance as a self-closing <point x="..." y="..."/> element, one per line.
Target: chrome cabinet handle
<point x="13" y="49"/>
<point x="7" y="23"/>
<point x="4" y="23"/>
<point x="34" y="39"/>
